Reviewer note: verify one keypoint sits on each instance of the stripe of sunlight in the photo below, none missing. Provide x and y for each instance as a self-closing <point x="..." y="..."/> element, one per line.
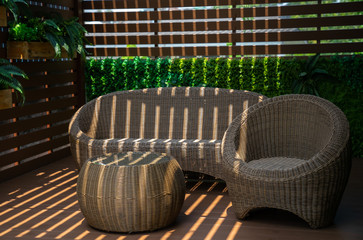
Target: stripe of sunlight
<point x="44" y="192"/>
<point x="22" y="222"/>
<point x="200" y="123"/>
<point x="116" y="159"/>
<point x="194" y="228"/>
<point x="62" y="200"/>
<point x="95" y="117"/>
<point x="51" y="216"/>
<point x="54" y="195"/>
<point x="167" y="235"/>
<point x="215" y="122"/>
<point x="128" y="116"/>
<point x="203" y="217"/>
<point x="135" y="161"/>
<point x="33" y="190"/>
<point x="185" y="123"/>
<point x="142" y="120"/>
<point x="20" y="204"/>
<point x="230" y="114"/>
<point x="196" y="186"/>
<point x="101" y="237"/>
<point x="14" y="216"/>
<point x="171" y="123"/>
<point x="234" y="231"/>
<point x="82" y="235"/>
<point x="69" y="229"/>
<point x="212" y="187"/>
<point x="143" y="237"/>
<point x="219" y="222"/>
<point x="157" y="121"/>
<point x="41" y="235"/>
<point x="212" y="206"/>
<point x="195" y="204"/>
<point x="41" y="223"/>
<point x="51" y="175"/>
<point x="113" y="117"/>
<point x="186" y="196"/>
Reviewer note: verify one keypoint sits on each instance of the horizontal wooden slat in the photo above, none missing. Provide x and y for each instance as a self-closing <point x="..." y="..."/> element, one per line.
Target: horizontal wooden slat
<point x="46" y="66"/>
<point x="32" y="137"/>
<point x="111" y="4"/>
<point x="230" y="50"/>
<point x="64" y="3"/>
<point x="298" y="10"/>
<point x="227" y="38"/>
<point x="161" y="27"/>
<point x="225" y="13"/>
<point x="37" y="108"/>
<point x="50" y="79"/>
<point x="37" y="94"/>
<point x="34" y="164"/>
<point x="299" y="23"/>
<point x="31" y="151"/>
<point x="227" y="25"/>
<point x="23" y="125"/>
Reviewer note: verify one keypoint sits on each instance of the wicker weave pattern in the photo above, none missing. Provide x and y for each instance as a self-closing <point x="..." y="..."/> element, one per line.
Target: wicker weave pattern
<point x="187" y="123"/>
<point x="290" y="152"/>
<point x="131" y="192"/>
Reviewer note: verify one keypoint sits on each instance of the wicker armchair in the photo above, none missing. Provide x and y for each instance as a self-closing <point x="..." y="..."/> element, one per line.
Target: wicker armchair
<point x="290" y="152"/>
<point x="187" y="123"/>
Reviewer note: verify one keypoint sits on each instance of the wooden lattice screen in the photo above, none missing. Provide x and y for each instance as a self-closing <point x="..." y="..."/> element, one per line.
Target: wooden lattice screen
<point x="37" y="133"/>
<point x="185" y="28"/>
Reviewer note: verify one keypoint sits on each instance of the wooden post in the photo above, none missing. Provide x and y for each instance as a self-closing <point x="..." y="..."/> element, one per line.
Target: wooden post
<point x="81" y="86"/>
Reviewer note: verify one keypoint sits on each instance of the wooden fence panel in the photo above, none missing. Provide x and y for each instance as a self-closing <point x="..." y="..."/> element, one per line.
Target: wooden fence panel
<point x="37" y="132"/>
<point x="157" y="28"/>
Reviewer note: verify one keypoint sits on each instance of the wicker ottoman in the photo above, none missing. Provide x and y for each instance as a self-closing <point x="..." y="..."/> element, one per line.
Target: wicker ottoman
<point x="131" y="192"/>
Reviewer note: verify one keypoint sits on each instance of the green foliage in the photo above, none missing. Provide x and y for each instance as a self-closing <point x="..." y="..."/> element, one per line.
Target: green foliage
<point x="234" y="74"/>
<point x="12" y="6"/>
<point x="8" y="80"/>
<point x="222" y="70"/>
<point x="60" y="33"/>
<point x="310" y="77"/>
<point x="269" y="76"/>
<point x="246" y="70"/>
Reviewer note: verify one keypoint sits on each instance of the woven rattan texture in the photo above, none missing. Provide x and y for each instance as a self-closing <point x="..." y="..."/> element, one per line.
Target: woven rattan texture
<point x="187" y="123"/>
<point x="131" y="198"/>
<point x="290" y="152"/>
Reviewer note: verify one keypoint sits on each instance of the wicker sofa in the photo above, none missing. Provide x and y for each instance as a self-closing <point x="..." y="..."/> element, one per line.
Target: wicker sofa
<point x="187" y="123"/>
<point x="290" y="152"/>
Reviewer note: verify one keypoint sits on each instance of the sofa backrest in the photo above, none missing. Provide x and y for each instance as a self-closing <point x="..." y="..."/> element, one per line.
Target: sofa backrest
<point x="165" y="113"/>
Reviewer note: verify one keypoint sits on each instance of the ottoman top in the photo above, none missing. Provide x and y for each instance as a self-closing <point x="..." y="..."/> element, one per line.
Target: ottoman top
<point x="130" y="159"/>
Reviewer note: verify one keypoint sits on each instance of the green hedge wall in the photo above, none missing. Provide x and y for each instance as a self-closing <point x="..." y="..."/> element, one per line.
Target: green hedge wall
<point x="268" y="76"/>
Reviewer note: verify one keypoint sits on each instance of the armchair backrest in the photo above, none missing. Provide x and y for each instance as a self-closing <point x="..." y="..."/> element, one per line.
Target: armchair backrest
<point x="294" y="126"/>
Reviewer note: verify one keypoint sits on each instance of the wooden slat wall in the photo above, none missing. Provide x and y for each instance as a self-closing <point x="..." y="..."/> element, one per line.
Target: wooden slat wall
<point x="222" y="27"/>
<point x="37" y="133"/>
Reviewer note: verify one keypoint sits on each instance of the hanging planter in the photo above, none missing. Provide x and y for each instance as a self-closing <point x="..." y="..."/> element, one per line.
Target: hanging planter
<point x="32" y="50"/>
<point x="46" y="38"/>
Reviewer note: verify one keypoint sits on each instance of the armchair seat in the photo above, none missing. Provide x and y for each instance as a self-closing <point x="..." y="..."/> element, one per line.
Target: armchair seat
<point x="275" y="163"/>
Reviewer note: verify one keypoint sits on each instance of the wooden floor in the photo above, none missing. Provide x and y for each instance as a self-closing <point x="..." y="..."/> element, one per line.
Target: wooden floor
<point x="43" y="205"/>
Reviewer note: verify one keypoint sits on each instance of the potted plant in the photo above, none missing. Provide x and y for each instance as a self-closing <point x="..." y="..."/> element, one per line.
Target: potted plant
<point x="12" y="6"/>
<point x="9" y="82"/>
<point x="46" y="38"/>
